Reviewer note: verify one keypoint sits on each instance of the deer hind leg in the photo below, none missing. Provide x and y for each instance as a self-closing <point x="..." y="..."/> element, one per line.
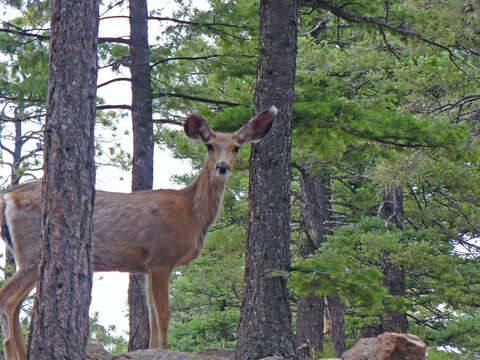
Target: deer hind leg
<point x="159" y="278"/>
<point x="11" y="299"/>
<point x="152" y="313"/>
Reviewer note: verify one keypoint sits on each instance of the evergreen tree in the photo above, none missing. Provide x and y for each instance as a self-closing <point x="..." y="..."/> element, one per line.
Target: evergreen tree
<point x="60" y="322"/>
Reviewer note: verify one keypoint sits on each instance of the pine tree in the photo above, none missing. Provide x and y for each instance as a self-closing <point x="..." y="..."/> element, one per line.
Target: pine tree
<point x="66" y="267"/>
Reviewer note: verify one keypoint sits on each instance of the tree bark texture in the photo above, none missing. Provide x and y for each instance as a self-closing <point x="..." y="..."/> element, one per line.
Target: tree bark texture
<point x="142" y="170"/>
<point x="316" y="212"/>
<point x="59" y="328"/>
<point x="311" y="308"/>
<point x="391" y="210"/>
<point x="336" y="317"/>
<point x="265" y="327"/>
<point x="394" y="276"/>
<point x="14" y="180"/>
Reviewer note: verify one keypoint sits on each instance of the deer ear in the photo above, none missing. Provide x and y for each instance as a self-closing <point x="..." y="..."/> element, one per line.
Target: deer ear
<point x="258" y="126"/>
<point x="196" y="127"/>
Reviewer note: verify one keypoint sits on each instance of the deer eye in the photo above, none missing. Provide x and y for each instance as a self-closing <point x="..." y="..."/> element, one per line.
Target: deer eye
<point x="236" y="148"/>
<point x="209" y="147"/>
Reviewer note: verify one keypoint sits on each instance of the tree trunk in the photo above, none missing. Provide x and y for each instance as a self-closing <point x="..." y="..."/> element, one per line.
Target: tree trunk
<point x="14" y="180"/>
<point x="265" y="327"/>
<point x="391" y="210"/>
<point x="394" y="276"/>
<point x="59" y="327"/>
<point x="311" y="308"/>
<point x="316" y="211"/>
<point x="142" y="170"/>
<point x="336" y="317"/>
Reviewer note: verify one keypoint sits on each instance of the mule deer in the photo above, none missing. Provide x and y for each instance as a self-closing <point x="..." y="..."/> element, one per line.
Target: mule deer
<point x="150" y="232"/>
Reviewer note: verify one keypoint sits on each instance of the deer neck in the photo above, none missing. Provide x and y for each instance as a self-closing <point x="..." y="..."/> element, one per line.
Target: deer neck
<point x="207" y="196"/>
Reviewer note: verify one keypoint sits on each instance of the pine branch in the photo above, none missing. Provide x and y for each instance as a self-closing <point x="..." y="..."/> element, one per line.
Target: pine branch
<point x="341" y="12"/>
<point x="21" y="32"/>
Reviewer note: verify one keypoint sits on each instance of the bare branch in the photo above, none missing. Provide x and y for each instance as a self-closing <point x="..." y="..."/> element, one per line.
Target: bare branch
<point x="118" y="107"/>
<point x="118" y="40"/>
<point x="184" y="58"/>
<point x="195" y="98"/>
<point x="168" y="121"/>
<point x="112" y="81"/>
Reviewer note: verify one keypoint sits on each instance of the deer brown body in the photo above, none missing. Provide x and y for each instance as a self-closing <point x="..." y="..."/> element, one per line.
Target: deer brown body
<point x="150" y="232"/>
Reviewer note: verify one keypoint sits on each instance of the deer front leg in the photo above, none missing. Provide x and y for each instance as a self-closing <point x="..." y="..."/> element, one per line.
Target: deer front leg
<point x="159" y="309"/>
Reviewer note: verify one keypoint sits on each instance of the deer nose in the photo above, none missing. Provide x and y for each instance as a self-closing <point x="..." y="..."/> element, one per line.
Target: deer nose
<point x="223" y="167"/>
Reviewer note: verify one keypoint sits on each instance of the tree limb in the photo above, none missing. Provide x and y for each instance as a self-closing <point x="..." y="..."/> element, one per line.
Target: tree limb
<point x="112" y="81"/>
<point x="195" y="98"/>
<point x="184" y="58"/>
<point x="108" y="107"/>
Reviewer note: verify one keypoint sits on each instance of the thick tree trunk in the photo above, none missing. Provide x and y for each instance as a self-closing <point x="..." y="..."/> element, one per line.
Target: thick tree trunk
<point x="310" y="317"/>
<point x="142" y="170"/>
<point x="59" y="327"/>
<point x="265" y="327"/>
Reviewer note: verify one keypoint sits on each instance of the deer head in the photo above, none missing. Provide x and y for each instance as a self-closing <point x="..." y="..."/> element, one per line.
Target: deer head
<point x="223" y="147"/>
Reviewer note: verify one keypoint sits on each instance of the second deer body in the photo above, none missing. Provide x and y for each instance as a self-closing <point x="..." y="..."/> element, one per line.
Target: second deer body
<point x="150" y="232"/>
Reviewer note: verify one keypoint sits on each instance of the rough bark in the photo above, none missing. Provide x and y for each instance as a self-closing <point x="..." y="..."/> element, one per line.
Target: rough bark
<point x="391" y="210"/>
<point x="142" y="170"/>
<point x="310" y="309"/>
<point x="309" y="335"/>
<point x="59" y="327"/>
<point x="336" y="316"/>
<point x="14" y="180"/>
<point x="394" y="276"/>
<point x="316" y="212"/>
<point x="265" y="327"/>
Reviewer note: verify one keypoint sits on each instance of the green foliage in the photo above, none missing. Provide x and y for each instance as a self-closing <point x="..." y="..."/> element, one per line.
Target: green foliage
<point x="206" y="294"/>
<point x="114" y="344"/>
<point x="433" y="354"/>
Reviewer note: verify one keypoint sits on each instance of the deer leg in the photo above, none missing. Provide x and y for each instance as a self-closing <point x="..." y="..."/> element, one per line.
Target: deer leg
<point x="19" y="339"/>
<point x="159" y="279"/>
<point x="152" y="313"/>
<point x="11" y="298"/>
<point x="18" y="335"/>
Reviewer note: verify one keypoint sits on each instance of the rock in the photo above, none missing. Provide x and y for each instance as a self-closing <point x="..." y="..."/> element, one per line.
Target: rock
<point x="95" y="351"/>
<point x="387" y="346"/>
<point x="208" y="354"/>
<point x="155" y="354"/>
